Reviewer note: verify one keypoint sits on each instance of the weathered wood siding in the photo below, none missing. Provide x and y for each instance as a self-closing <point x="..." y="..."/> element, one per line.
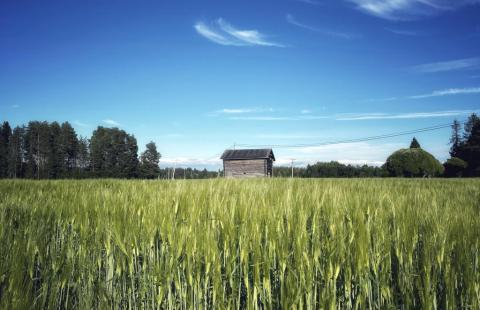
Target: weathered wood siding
<point x="246" y="168"/>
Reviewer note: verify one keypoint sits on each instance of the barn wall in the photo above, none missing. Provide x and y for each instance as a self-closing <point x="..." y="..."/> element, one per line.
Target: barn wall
<point x="250" y="168"/>
<point x="269" y="165"/>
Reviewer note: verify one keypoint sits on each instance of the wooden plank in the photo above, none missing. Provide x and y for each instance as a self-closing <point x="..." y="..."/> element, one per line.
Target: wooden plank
<point x="244" y="168"/>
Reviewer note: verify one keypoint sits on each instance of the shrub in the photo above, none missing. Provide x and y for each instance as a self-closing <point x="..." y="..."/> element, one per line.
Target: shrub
<point x="413" y="162"/>
<point x="454" y="167"/>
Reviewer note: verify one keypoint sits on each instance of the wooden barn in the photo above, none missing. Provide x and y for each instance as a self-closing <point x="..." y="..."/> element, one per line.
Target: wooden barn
<point x="249" y="163"/>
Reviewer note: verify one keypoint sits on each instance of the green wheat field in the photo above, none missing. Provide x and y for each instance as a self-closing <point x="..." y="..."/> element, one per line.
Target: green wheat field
<point x="240" y="244"/>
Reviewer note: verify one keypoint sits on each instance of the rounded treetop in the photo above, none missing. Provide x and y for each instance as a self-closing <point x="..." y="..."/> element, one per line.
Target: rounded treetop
<point x="413" y="162"/>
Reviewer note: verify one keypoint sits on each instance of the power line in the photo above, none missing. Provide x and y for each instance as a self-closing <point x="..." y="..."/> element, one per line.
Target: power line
<point x="385" y="136"/>
<point x="370" y="138"/>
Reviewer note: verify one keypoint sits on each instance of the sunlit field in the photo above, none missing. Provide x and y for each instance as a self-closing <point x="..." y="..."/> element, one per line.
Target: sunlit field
<point x="269" y="243"/>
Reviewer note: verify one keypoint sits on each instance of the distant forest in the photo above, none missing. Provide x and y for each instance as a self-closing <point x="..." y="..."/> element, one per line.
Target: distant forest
<point x="42" y="150"/>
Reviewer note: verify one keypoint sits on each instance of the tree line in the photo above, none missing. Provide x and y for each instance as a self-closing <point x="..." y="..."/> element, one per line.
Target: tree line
<point x="331" y="169"/>
<point x="465" y="149"/>
<point x="43" y="150"/>
<point x="188" y="173"/>
<point x="411" y="162"/>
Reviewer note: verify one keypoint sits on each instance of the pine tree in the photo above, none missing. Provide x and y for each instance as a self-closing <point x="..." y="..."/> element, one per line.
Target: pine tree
<point x="98" y="151"/>
<point x="127" y="156"/>
<point x="455" y="139"/>
<point x="37" y="148"/>
<point x="69" y="148"/>
<point x="5" y="134"/>
<point x="113" y="153"/>
<point x="467" y="128"/>
<point x="471" y="149"/>
<point x="82" y="163"/>
<point x="149" y="160"/>
<point x="31" y="146"/>
<point x="415" y="144"/>
<point x="16" y="153"/>
<point x="55" y="163"/>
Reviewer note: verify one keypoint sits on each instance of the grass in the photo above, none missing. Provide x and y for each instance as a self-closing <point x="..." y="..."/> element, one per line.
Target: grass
<point x="270" y="243"/>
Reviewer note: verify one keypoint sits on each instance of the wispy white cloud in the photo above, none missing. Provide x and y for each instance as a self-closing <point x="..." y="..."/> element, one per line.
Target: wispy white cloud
<point x="381" y="99"/>
<point x="306" y="111"/>
<point x="293" y="21"/>
<point x="448" y="92"/>
<point x="408" y="33"/>
<point x="222" y="32"/>
<point x="111" y="122"/>
<point x="15" y="106"/>
<point x="436" y="93"/>
<point x="310" y="2"/>
<point x="313" y="117"/>
<point x="279" y="117"/>
<point x="214" y="35"/>
<point x="236" y="111"/>
<point x="414" y="115"/>
<point x="356" y="116"/>
<point x="80" y="124"/>
<point x="263" y="118"/>
<point x="250" y="37"/>
<point x="451" y="65"/>
<point x="408" y="9"/>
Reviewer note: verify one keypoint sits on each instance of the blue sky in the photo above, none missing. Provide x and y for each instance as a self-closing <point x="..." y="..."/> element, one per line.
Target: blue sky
<point x="198" y="76"/>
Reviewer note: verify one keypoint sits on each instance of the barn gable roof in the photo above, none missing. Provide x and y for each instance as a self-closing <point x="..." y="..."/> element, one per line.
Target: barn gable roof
<point x="248" y="154"/>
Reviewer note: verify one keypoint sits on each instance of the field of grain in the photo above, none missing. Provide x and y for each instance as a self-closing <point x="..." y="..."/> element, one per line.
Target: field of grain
<point x="270" y="243"/>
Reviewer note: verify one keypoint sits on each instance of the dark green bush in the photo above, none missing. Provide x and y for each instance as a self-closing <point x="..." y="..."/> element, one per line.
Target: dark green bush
<point x="455" y="167"/>
<point x="413" y="162"/>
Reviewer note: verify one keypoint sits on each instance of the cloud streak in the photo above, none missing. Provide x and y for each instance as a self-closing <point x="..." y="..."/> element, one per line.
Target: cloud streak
<point x="446" y="66"/>
<point x="223" y="33"/>
<point x="310" y="2"/>
<point x="356" y="116"/>
<point x="240" y="111"/>
<point x="415" y="115"/>
<point x="436" y="93"/>
<point x="214" y="36"/>
<point x="80" y="124"/>
<point x="111" y="122"/>
<point x="263" y="118"/>
<point x="293" y="21"/>
<point x="236" y="111"/>
<point x="449" y="92"/>
<point x="404" y="32"/>
<point x="408" y="9"/>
